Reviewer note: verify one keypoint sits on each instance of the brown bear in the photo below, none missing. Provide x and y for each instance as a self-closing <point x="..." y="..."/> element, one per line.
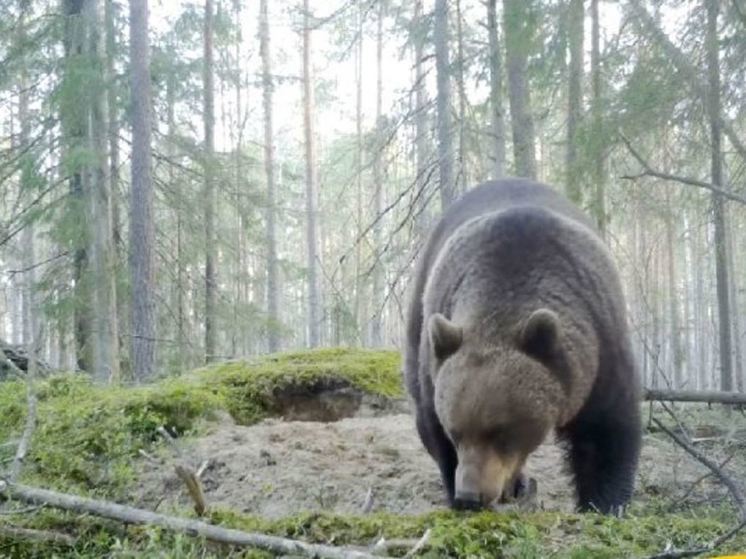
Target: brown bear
<point x="516" y="327"/>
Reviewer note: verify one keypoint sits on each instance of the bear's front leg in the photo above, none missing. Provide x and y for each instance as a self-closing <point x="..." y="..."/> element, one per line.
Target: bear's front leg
<point x="603" y="454"/>
<point x="439" y="447"/>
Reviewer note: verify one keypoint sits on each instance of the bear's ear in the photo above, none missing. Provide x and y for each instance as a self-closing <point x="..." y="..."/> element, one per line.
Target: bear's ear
<point x="445" y="336"/>
<point x="540" y="334"/>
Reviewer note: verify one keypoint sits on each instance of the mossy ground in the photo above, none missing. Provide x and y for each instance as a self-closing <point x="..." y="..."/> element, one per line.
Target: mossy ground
<point x="88" y="437"/>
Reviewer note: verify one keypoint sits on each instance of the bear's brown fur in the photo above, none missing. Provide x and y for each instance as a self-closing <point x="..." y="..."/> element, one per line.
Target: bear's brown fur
<point x="517" y="326"/>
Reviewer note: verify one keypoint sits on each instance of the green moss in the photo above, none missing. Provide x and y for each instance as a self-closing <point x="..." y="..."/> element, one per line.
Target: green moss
<point x="249" y="386"/>
<point x="483" y="535"/>
<point x="87" y="435"/>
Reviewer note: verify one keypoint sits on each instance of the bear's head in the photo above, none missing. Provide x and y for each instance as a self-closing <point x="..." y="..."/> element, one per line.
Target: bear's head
<point x="496" y="399"/>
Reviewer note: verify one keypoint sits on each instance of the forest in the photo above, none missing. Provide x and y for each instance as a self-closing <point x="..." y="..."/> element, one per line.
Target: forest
<point x="210" y="217"/>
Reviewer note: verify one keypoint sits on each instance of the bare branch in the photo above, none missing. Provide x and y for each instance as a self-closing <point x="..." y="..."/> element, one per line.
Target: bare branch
<point x="131" y="515"/>
<point x="733" y="487"/>
<point x="648" y="171"/>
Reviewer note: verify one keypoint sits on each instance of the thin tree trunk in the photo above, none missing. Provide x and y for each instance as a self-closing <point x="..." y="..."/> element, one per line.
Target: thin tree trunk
<point x="599" y="147"/>
<point x="142" y="229"/>
<point x="575" y="20"/>
<point x="496" y="92"/>
<point x="445" y="127"/>
<point x="312" y="195"/>
<point x="359" y="169"/>
<point x="273" y="309"/>
<point x="463" y="176"/>
<point x="676" y="345"/>
<point x="518" y="38"/>
<point x="104" y="310"/>
<point x="376" y="337"/>
<point x="114" y="162"/>
<point x="718" y="206"/>
<point x="27" y="240"/>
<point x="73" y="124"/>
<point x="209" y="188"/>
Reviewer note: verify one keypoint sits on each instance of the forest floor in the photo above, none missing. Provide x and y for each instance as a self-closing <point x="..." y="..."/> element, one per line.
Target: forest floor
<point x="276" y="468"/>
<point x="321" y="446"/>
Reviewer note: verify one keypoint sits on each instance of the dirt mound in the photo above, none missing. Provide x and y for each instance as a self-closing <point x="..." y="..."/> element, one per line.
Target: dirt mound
<point x="277" y="467"/>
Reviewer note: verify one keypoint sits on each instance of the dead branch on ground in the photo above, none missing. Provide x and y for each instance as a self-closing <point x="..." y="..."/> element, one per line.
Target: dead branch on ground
<point x="131" y="515"/>
<point x="187" y="474"/>
<point x="705" y="397"/>
<point x="46" y="536"/>
<point x="709" y="548"/>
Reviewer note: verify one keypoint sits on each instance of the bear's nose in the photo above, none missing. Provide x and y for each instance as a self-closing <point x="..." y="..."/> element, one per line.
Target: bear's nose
<point x="466" y="500"/>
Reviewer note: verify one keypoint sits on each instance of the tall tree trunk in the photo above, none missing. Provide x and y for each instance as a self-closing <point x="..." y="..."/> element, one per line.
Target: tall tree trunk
<point x="112" y="99"/>
<point x="273" y="308"/>
<point x="718" y="207"/>
<point x="28" y="237"/>
<point x="142" y="229"/>
<point x="462" y="181"/>
<point x="357" y="315"/>
<point x="599" y="143"/>
<point x="677" y="351"/>
<point x="445" y="127"/>
<point x="376" y="335"/>
<point x="518" y="38"/>
<point x="496" y="92"/>
<point x="420" y="123"/>
<point x="73" y="124"/>
<point x="575" y="20"/>
<point x="104" y="310"/>
<point x="209" y="187"/>
<point x="312" y="195"/>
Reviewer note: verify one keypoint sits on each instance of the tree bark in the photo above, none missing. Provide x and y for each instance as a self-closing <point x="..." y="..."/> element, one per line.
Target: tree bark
<point x="376" y="334"/>
<point x="104" y="310"/>
<point x="420" y="123"/>
<point x="575" y="31"/>
<point x="718" y="206"/>
<point x="209" y="186"/>
<point x="463" y="175"/>
<point x="312" y="194"/>
<point x="496" y="92"/>
<point x="599" y="143"/>
<point x="142" y="229"/>
<point x="273" y="307"/>
<point x="445" y="127"/>
<point x="518" y="38"/>
<point x="73" y="124"/>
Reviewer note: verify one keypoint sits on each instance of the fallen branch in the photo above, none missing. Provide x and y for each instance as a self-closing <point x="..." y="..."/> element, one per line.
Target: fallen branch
<point x="422" y="542"/>
<point x="709" y="548"/>
<point x="648" y="171"/>
<point x="733" y="487"/>
<point x="710" y="397"/>
<point x="131" y="515"/>
<point x="46" y="536"/>
<point x="187" y="474"/>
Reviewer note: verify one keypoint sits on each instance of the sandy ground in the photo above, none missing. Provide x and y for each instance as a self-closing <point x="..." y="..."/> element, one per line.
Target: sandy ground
<point x="281" y="467"/>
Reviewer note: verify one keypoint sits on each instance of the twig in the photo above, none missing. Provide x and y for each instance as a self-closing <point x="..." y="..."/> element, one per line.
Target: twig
<point x="47" y="536"/>
<point x="149" y="457"/>
<point x="194" y="487"/>
<point x="210" y="532"/>
<point x="703" y="477"/>
<point x="422" y="542"/>
<point x="202" y="468"/>
<point x="28" y="431"/>
<point x="368" y="503"/>
<point x="186" y="473"/>
<point x="732" y="486"/>
<point x="648" y="171"/>
<point x="710" y="547"/>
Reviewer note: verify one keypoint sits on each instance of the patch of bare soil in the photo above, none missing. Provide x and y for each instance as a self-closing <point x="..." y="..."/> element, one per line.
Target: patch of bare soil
<point x="277" y="467"/>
